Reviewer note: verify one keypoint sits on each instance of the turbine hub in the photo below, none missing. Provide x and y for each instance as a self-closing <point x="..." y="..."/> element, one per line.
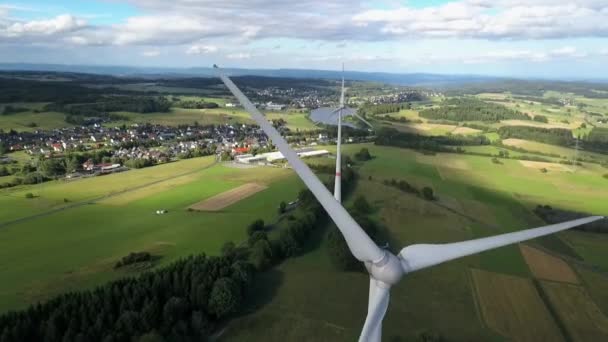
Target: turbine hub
<point x="388" y="270"/>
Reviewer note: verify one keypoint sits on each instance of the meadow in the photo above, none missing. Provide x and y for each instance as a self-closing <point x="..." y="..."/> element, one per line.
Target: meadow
<point x="307" y="299"/>
<point x="76" y="248"/>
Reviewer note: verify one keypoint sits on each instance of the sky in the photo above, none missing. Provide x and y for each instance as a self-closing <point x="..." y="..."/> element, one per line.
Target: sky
<point x="520" y="38"/>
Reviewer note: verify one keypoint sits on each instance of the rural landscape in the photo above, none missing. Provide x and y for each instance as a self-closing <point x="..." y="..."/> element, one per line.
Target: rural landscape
<point x="139" y="209"/>
<point x="317" y="170"/>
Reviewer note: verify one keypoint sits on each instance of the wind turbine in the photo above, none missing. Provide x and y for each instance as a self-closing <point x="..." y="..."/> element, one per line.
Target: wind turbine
<point x="339" y="111"/>
<point x="385" y="269"/>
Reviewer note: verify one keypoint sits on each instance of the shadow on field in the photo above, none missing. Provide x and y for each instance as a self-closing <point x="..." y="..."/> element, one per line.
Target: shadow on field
<point x="263" y="290"/>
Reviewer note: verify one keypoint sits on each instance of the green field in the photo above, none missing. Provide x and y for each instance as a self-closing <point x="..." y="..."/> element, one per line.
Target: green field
<point x="22" y="122"/>
<point x="508" y="304"/>
<point x="473" y="202"/>
<point x="581" y="317"/>
<point x="76" y="248"/>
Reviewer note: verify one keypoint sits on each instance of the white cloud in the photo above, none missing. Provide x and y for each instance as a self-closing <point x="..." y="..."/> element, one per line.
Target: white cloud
<point x="200" y="49"/>
<point x="60" y="24"/>
<point x="604" y="52"/>
<point x="151" y="53"/>
<point x="240" y="55"/>
<point x="508" y="20"/>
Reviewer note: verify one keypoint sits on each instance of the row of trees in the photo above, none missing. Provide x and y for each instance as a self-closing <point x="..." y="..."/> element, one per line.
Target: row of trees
<point x="554" y="136"/>
<point x="8" y="110"/>
<point x="392" y="137"/>
<point x="193" y="104"/>
<point x="553" y="215"/>
<point x="426" y="192"/>
<point x="371" y="109"/>
<point x="468" y="109"/>
<point x="106" y="104"/>
<point x="597" y="140"/>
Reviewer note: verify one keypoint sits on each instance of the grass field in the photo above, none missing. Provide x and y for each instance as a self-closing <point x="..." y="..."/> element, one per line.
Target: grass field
<point x="590" y="246"/>
<point x="76" y="248"/>
<point x="581" y="317"/>
<point x="508" y="304"/>
<point x="472" y="202"/>
<point x="52" y="195"/>
<point x="21" y="122"/>
<point x="553" y="149"/>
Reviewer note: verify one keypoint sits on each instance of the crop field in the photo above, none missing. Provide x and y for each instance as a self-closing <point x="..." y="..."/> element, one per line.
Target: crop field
<point x="227" y="198"/>
<point x="581" y="317"/>
<point x="508" y="304"/>
<point x="548" y="267"/>
<point x="77" y="247"/>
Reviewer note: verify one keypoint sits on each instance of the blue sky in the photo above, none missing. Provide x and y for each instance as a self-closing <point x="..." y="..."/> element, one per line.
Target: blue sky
<point x="535" y="38"/>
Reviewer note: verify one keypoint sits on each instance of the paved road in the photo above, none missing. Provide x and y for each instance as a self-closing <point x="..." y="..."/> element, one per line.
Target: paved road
<point x="94" y="200"/>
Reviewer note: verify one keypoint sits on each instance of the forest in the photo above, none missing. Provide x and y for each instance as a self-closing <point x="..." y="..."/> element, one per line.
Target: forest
<point x="467" y="109"/>
<point x="554" y="136"/>
<point x="369" y="109"/>
<point x="597" y="140"/>
<point x="392" y="137"/>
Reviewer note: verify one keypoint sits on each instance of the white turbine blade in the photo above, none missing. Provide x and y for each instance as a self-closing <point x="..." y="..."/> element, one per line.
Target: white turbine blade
<point x="363" y="120"/>
<point x="338" y="179"/>
<point x="421" y="256"/>
<point x="359" y="243"/>
<point x="376" y="309"/>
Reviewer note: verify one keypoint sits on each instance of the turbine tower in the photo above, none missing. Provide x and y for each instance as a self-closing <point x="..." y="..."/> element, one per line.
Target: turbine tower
<point x="385" y="268"/>
<point x="338" y="181"/>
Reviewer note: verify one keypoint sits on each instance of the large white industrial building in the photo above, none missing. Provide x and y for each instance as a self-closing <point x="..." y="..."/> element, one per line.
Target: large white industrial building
<point x="272" y="157"/>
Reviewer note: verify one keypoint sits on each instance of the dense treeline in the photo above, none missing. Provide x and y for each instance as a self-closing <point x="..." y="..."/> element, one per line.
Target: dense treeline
<point x="468" y="109"/>
<point x="182" y="302"/>
<point x="555" y="136"/>
<point x="191" y="104"/>
<point x="105" y="104"/>
<point x="9" y="110"/>
<point x="553" y="215"/>
<point x="533" y="88"/>
<point x="369" y="109"/>
<point x="392" y="137"/>
<point x="133" y="258"/>
<point x="597" y="140"/>
<point x="16" y="90"/>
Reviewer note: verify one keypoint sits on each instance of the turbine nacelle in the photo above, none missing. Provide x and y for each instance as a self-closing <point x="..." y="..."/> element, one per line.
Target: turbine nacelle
<point x="388" y="271"/>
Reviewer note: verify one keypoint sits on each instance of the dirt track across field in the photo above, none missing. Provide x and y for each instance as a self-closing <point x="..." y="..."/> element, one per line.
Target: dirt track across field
<point x="227" y="198"/>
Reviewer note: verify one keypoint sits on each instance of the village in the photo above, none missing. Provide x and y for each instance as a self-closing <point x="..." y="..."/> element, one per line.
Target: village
<point x="97" y="150"/>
